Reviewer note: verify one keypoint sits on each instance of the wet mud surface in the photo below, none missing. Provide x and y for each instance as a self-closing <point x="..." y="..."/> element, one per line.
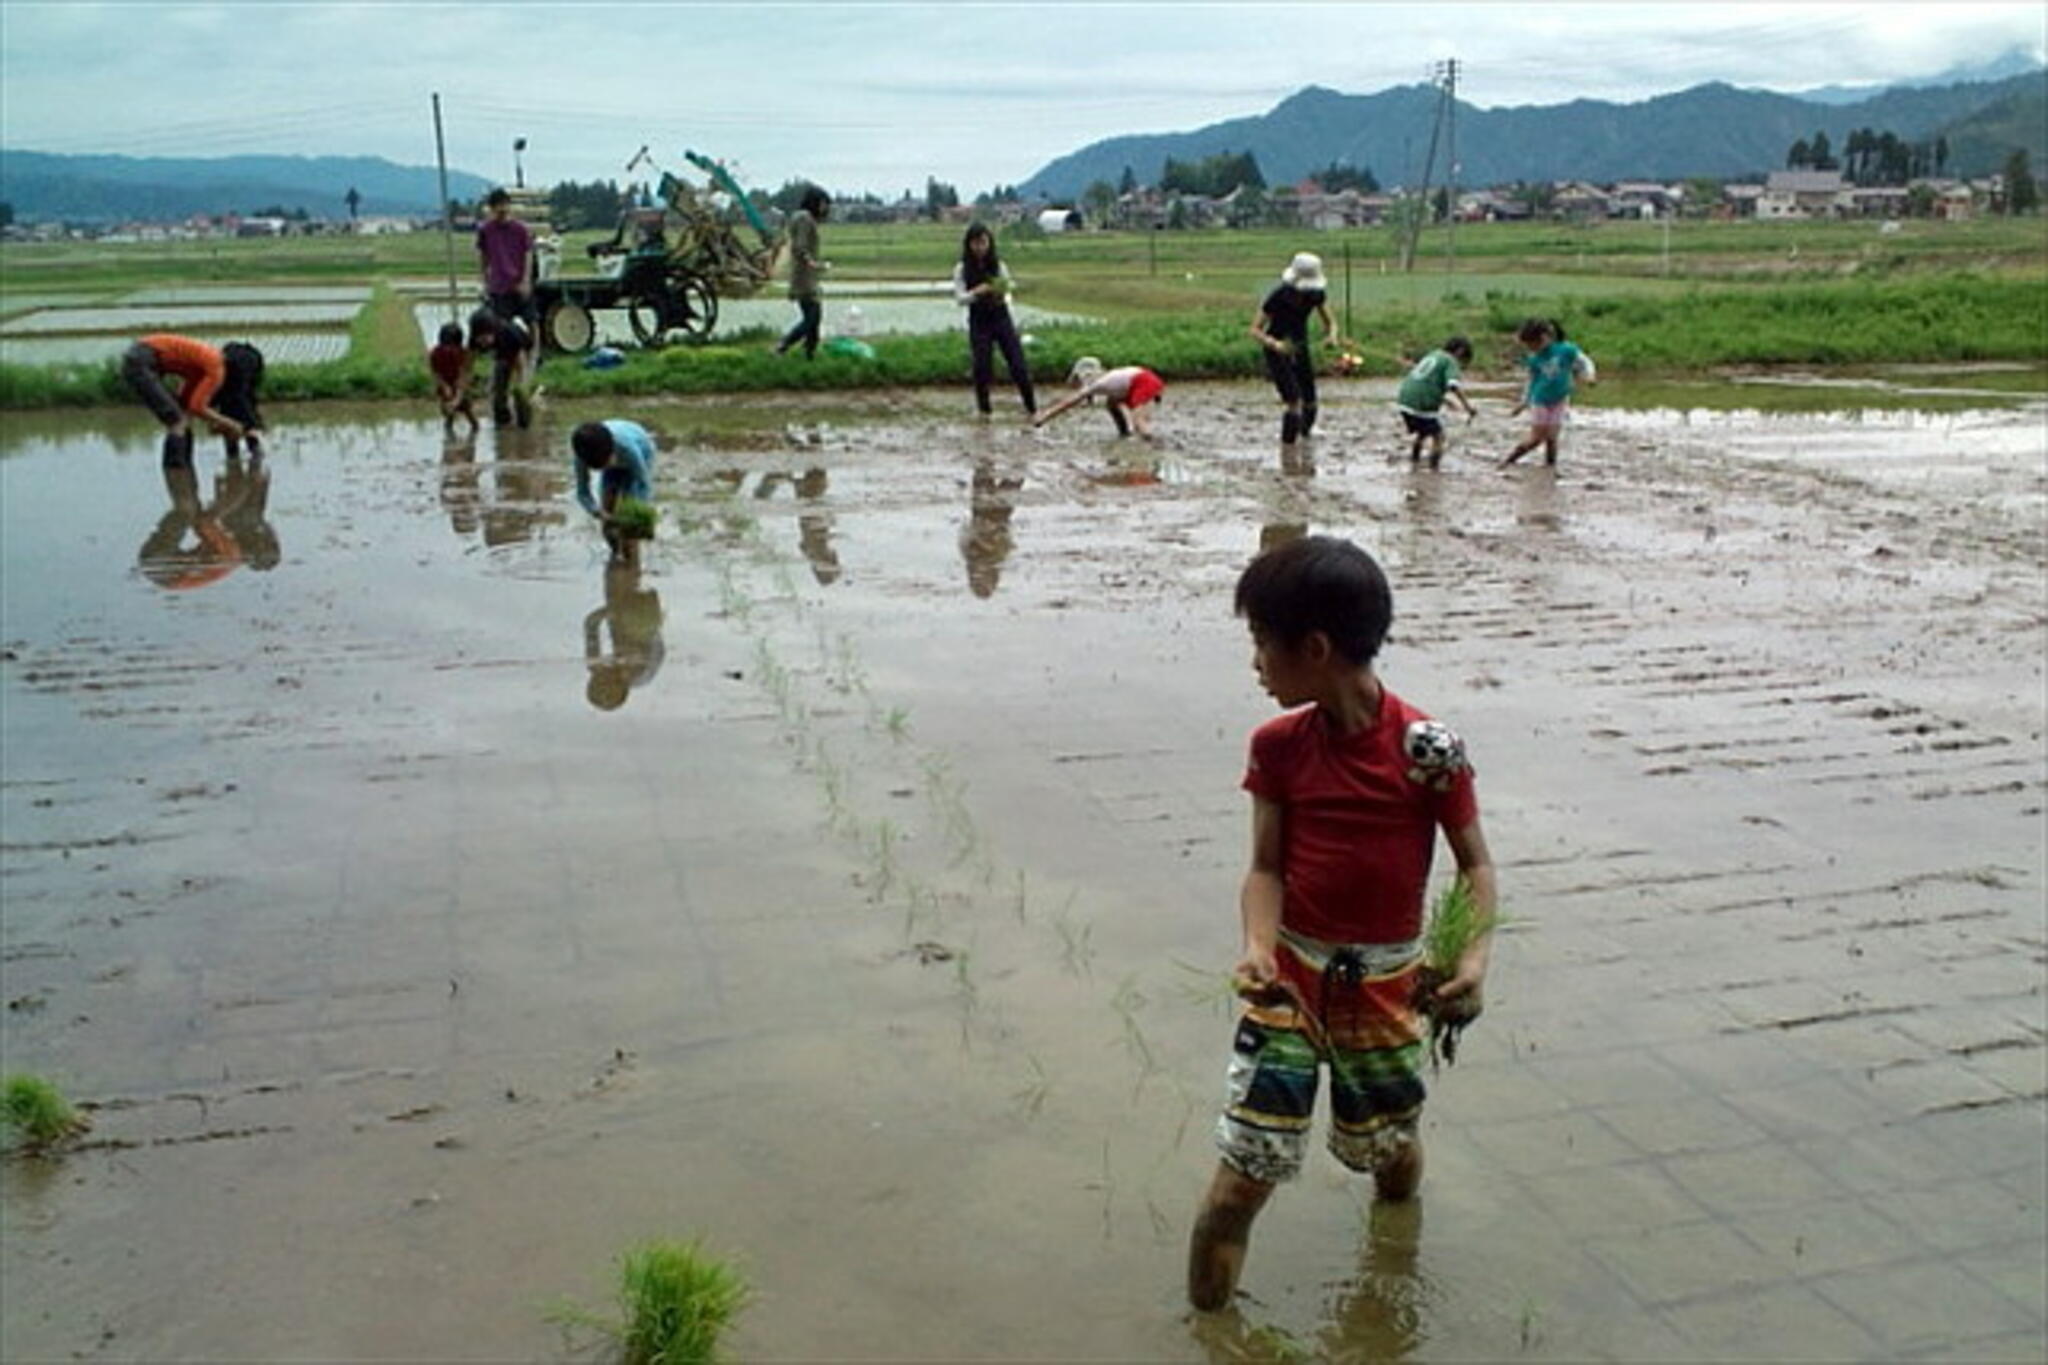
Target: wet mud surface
<point x="428" y="914"/>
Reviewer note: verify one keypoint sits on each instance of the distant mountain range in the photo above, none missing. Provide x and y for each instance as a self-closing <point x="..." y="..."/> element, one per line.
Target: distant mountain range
<point x="42" y="185"/>
<point x="1709" y="130"/>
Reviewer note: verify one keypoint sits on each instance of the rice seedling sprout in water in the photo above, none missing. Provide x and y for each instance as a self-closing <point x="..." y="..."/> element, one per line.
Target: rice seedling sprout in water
<point x="675" y="1303"/>
<point x="36" y="1112"/>
<point x="635" y="518"/>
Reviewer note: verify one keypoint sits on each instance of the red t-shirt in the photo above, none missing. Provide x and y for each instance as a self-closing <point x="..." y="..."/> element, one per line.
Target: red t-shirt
<point x="1360" y="817"/>
<point x="448" y="363"/>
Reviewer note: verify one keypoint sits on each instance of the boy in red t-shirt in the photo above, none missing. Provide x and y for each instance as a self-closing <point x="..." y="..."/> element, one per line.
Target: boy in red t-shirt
<point x="450" y="361"/>
<point x="1347" y="795"/>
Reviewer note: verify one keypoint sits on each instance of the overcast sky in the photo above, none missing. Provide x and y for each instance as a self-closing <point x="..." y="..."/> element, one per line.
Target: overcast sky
<point x="873" y="96"/>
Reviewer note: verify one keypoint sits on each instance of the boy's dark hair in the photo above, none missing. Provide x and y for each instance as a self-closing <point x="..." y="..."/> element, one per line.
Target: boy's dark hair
<point x="500" y="195"/>
<point x="483" y="329"/>
<point x="1461" y="348"/>
<point x="1318" y="583"/>
<point x="814" y="201"/>
<point x="244" y="366"/>
<point x="451" y="334"/>
<point x="593" y="444"/>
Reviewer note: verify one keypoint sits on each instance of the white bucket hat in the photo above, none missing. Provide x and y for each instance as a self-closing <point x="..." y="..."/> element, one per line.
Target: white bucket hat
<point x="1086" y="371"/>
<point x="1305" y="271"/>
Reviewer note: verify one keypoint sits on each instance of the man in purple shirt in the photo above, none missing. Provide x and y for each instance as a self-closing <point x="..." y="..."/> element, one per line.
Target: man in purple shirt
<point x="505" y="246"/>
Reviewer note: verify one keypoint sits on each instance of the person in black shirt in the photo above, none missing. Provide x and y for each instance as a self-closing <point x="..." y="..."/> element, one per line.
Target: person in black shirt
<point x="1281" y="327"/>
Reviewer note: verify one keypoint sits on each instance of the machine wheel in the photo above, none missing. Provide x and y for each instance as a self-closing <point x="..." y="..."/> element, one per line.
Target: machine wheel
<point x="568" y="327"/>
<point x="686" y="304"/>
<point x="698" y="310"/>
<point x="649" y="326"/>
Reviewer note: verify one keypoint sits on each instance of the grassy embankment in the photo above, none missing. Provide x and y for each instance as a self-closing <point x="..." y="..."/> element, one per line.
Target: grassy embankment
<point x="1708" y="296"/>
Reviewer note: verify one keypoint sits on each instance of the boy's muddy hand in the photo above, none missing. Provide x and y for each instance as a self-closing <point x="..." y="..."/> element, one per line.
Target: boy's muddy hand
<point x="1462" y="999"/>
<point x="1256" y="978"/>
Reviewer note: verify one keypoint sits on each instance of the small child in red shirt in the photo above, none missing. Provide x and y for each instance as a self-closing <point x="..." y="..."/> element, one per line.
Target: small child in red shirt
<point x="1348" y="792"/>
<point x="452" y="365"/>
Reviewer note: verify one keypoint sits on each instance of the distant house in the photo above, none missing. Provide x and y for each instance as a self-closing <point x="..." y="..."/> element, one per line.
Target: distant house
<point x="1876" y="201"/>
<point x="1803" y="194"/>
<point x="1577" y="199"/>
<point x="1327" y="212"/>
<point x="381" y="225"/>
<point x="1059" y="220"/>
<point x="1644" y="199"/>
<point x="1740" y="200"/>
<point x="1954" y="201"/>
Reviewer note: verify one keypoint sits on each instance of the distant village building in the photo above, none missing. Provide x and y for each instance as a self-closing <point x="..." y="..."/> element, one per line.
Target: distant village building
<point x="1059" y="220"/>
<point x="1803" y="194"/>
<point x="1577" y="199"/>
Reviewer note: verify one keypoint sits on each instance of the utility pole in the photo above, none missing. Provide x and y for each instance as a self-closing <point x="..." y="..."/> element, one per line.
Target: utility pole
<point x="1451" y="159"/>
<point x="447" y="212"/>
<point x="1436" y="129"/>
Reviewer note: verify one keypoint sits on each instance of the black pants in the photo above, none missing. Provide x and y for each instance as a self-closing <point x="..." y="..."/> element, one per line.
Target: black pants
<point x="140" y="370"/>
<point x="1294" y="375"/>
<point x="987" y="330"/>
<point x="810" y="314"/>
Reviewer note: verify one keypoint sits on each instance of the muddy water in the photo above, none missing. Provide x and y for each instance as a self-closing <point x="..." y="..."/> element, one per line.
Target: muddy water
<point x="429" y="914"/>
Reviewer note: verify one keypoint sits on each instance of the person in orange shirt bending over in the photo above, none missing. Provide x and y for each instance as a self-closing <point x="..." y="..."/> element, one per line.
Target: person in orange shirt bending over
<point x="216" y="385"/>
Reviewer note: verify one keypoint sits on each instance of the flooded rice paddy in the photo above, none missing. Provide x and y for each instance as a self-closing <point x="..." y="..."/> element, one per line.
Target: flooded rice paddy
<point x="428" y="913"/>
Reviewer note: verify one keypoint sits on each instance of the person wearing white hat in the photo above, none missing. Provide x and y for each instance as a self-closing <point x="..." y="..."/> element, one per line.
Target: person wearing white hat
<point x="1281" y="328"/>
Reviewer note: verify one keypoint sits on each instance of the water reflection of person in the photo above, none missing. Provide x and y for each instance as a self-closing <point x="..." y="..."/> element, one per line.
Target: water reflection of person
<point x="814" y="528"/>
<point x="241" y="499"/>
<point x="1380" y="1317"/>
<point x="631" y="614"/>
<point x="985" y="542"/>
<point x="190" y="547"/>
<point x="459" y="497"/>
<point x="813" y="523"/>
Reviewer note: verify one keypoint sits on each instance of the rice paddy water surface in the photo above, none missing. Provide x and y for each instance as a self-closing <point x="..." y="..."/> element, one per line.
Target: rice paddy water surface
<point x="424" y="912"/>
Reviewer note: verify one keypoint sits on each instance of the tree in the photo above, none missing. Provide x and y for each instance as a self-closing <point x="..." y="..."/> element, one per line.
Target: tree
<point x="1128" y="184"/>
<point x="1337" y="177"/>
<point x="1823" y="158"/>
<point x="2022" y="195"/>
<point x="938" y="197"/>
<point x="1920" y="201"/>
<point x="1702" y="193"/>
<point x="1798" y="156"/>
<point x="1940" y="154"/>
<point x="1100" y="199"/>
<point x="6" y="213"/>
<point x="353" y="200"/>
<point x="1176" y="213"/>
<point x="1249" y="207"/>
<point x="1212" y="176"/>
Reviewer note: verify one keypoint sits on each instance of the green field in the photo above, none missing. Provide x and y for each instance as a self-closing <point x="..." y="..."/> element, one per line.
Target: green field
<point x="1648" y="301"/>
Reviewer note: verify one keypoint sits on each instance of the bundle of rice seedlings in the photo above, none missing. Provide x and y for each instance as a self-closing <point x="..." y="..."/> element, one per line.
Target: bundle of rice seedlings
<point x="1455" y="923"/>
<point x="37" y="1113"/>
<point x="634" y="518"/>
<point x="675" y="1302"/>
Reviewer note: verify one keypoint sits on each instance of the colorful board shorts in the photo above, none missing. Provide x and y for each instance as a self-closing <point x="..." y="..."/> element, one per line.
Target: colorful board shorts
<point x="1549" y="416"/>
<point x="1349" y="1007"/>
<point x="1145" y="386"/>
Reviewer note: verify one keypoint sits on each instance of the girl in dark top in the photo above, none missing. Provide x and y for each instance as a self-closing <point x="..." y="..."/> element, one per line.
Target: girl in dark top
<point x="982" y="286"/>
<point x="1281" y="327"/>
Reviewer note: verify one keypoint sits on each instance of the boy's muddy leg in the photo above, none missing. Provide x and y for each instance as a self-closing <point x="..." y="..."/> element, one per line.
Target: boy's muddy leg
<point x="1223" y="1230"/>
<point x="1398" y="1174"/>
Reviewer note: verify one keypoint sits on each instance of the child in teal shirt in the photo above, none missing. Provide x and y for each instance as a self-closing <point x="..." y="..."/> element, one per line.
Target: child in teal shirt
<point x="1553" y="364"/>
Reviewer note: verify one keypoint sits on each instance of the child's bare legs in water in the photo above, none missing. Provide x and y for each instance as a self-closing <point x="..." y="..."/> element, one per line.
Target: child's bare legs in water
<point x="1223" y="1226"/>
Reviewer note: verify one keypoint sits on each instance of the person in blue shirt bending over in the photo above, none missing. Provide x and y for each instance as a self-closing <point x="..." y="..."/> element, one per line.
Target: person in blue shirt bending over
<point x="621" y="454"/>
